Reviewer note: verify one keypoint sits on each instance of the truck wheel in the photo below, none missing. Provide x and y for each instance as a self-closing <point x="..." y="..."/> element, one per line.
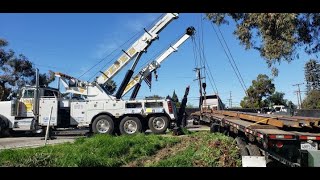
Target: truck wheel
<point x="103" y="124"/>
<point x="1" y="126"/>
<point x="158" y="124"/>
<point x="130" y="125"/>
<point x="242" y="146"/>
<point x="214" y="128"/>
<point x="253" y="150"/>
<point x="4" y="127"/>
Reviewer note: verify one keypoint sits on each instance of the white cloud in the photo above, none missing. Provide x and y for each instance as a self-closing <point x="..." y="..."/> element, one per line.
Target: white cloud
<point x="114" y="40"/>
<point x="105" y="48"/>
<point x="140" y="23"/>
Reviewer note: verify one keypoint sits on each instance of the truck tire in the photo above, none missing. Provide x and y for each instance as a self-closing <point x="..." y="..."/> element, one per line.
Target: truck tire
<point x="214" y="128"/>
<point x="103" y="124"/>
<point x="242" y="146"/>
<point x="253" y="150"/>
<point x="158" y="124"/>
<point x="4" y="127"/>
<point x="130" y="125"/>
<point x="1" y="127"/>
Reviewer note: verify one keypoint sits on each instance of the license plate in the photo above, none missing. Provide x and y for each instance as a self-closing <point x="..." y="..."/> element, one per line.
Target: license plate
<point x="309" y="146"/>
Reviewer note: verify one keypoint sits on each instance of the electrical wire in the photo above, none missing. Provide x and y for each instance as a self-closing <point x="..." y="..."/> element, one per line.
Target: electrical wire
<point x="121" y="46"/>
<point x="242" y="85"/>
<point x="232" y="58"/>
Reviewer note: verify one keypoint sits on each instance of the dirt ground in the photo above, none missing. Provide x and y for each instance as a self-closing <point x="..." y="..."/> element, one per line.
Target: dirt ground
<point x="163" y="153"/>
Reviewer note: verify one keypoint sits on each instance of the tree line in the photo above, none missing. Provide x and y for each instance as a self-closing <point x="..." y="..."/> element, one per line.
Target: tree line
<point x="17" y="71"/>
<point x="277" y="37"/>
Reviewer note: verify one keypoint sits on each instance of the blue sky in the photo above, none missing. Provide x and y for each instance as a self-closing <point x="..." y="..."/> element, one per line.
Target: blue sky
<point x="72" y="43"/>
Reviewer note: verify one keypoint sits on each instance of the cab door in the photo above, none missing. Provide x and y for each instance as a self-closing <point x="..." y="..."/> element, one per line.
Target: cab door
<point x="25" y="107"/>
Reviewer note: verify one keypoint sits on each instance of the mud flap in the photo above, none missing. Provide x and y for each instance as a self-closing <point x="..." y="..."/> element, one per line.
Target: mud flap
<point x="310" y="158"/>
<point x="254" y="161"/>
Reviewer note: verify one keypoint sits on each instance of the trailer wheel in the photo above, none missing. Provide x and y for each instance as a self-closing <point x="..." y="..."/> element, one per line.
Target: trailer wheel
<point x="158" y="124"/>
<point x="130" y="125"/>
<point x="253" y="150"/>
<point x="103" y="124"/>
<point x="242" y="146"/>
<point x="214" y="128"/>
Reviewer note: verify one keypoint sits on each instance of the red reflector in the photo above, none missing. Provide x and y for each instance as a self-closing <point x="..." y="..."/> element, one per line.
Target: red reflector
<point x="279" y="144"/>
<point x="170" y="107"/>
<point x="304" y="137"/>
<point x="280" y="136"/>
<point x="309" y="137"/>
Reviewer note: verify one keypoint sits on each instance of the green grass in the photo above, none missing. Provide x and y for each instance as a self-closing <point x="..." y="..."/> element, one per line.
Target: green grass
<point x="205" y="149"/>
<point x="100" y="150"/>
<point x="196" y="149"/>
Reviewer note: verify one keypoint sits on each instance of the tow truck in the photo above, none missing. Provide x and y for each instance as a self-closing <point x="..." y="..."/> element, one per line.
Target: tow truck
<point x="38" y="107"/>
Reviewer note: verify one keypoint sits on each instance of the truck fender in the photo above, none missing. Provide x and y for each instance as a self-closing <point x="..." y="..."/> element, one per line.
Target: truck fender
<point x="101" y="113"/>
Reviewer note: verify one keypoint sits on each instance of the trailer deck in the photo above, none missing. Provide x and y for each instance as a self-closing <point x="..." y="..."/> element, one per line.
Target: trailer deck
<point x="275" y="120"/>
<point x="285" y="139"/>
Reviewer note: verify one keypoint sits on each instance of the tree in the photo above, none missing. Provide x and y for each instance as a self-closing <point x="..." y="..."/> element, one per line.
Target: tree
<point x="277" y="36"/>
<point x="312" y="75"/>
<point x="17" y="71"/>
<point x="260" y="88"/>
<point x="291" y="105"/>
<point x="312" y="100"/>
<point x="175" y="99"/>
<point x="276" y="98"/>
<point x="44" y="79"/>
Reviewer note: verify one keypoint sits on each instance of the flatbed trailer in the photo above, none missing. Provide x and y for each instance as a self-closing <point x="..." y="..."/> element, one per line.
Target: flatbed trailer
<point x="288" y="145"/>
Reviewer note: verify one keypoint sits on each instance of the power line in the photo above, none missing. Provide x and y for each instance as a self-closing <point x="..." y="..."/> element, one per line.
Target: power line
<point x="203" y="59"/>
<point x="52" y="67"/>
<point x="216" y="89"/>
<point x="232" y="57"/>
<point x="112" y="53"/>
<point x="242" y="85"/>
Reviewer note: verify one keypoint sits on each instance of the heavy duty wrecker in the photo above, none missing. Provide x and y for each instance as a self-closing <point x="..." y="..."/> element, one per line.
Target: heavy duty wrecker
<point x="37" y="107"/>
<point x="290" y="140"/>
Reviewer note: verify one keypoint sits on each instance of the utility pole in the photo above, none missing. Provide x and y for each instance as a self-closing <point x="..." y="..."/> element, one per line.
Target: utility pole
<point x="299" y="94"/>
<point x="200" y="86"/>
<point x="230" y="100"/>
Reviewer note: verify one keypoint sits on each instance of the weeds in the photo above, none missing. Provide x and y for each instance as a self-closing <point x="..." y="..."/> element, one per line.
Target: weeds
<point x="206" y="150"/>
<point x="100" y="150"/>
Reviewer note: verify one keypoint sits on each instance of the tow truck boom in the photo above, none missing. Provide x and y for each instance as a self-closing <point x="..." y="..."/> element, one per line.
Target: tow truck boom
<point x="151" y="67"/>
<point x="139" y="46"/>
<point x="96" y="90"/>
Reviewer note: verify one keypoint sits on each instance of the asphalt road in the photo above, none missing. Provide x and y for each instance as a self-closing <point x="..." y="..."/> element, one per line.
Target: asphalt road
<point x="22" y="140"/>
<point x="28" y="142"/>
